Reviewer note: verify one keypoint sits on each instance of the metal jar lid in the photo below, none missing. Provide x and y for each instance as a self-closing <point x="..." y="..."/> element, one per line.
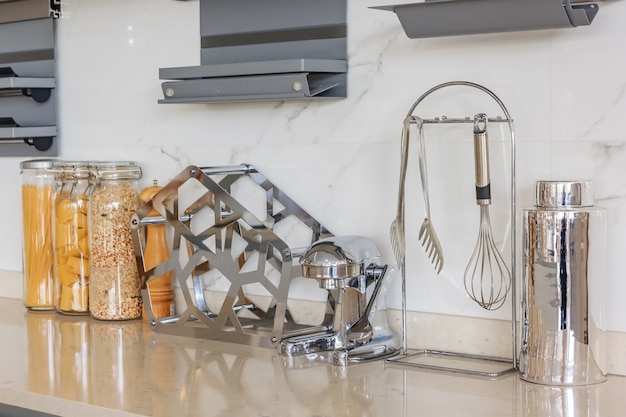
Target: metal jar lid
<point x="116" y="170"/>
<point x="38" y="164"/>
<point x="72" y="170"/>
<point x="564" y="194"/>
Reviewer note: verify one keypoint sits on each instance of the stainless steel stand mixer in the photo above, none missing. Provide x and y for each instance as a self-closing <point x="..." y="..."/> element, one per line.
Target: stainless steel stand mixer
<point x="346" y="266"/>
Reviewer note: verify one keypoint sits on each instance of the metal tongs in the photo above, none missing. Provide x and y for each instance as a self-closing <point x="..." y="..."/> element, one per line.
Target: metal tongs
<point x="427" y="235"/>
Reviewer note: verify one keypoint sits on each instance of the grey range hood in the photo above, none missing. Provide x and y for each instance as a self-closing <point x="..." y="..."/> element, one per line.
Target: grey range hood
<point x="434" y="18"/>
<point x="259" y="51"/>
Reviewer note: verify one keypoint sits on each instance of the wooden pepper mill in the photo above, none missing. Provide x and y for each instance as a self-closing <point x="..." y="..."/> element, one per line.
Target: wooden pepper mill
<point x="157" y="251"/>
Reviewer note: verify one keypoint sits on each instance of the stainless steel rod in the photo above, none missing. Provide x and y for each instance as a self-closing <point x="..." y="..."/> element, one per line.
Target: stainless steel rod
<point x="161" y="220"/>
<point x="229" y="169"/>
<point x="445" y="119"/>
<point x="22" y="141"/>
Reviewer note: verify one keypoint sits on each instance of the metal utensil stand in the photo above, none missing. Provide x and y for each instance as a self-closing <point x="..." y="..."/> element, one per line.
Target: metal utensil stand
<point x="489" y="367"/>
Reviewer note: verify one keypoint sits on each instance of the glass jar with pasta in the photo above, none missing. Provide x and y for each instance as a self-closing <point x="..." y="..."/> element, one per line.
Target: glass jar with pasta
<point x="114" y="288"/>
<point x="71" y="238"/>
<point x="37" y="179"/>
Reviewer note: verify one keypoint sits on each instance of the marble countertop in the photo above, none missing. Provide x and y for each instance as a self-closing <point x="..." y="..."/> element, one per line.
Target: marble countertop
<point x="79" y="366"/>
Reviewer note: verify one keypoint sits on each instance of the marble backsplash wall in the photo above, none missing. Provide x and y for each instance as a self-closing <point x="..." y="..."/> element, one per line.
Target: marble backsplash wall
<point x="339" y="159"/>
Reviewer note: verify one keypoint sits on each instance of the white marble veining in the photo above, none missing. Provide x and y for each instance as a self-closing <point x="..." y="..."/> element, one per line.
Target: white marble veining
<point x="339" y="159"/>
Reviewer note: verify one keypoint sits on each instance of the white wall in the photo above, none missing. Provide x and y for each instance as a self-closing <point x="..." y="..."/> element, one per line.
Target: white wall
<point x="340" y="159"/>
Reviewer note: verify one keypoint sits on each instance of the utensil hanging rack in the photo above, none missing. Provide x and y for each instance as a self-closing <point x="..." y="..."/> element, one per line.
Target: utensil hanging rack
<point x="484" y="366"/>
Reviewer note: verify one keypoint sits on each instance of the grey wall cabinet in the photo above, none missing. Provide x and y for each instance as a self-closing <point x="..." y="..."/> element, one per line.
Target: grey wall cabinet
<point x="27" y="79"/>
<point x="265" y="50"/>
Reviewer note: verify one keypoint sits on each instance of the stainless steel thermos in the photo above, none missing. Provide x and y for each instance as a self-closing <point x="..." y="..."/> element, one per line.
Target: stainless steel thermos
<point x="563" y="289"/>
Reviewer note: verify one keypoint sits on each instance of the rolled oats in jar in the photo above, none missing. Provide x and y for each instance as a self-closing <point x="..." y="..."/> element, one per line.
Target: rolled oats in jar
<point x="115" y="289"/>
<point x="71" y="238"/>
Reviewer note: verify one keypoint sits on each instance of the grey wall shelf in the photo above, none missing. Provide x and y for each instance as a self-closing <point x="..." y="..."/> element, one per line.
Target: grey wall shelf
<point x="9" y="83"/>
<point x="467" y="17"/>
<point x="271" y="50"/>
<point x="27" y="81"/>
<point x="256" y="81"/>
<point x="19" y="10"/>
<point x="40" y="138"/>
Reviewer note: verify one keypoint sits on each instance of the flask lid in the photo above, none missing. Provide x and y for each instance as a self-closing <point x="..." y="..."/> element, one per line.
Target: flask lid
<point x="564" y="194"/>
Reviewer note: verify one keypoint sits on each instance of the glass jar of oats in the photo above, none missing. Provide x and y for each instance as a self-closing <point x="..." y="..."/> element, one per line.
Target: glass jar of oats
<point x="71" y="239"/>
<point x="115" y="289"/>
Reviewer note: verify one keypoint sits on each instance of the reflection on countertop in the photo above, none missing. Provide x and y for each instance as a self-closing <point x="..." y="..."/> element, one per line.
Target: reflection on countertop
<point x="73" y="365"/>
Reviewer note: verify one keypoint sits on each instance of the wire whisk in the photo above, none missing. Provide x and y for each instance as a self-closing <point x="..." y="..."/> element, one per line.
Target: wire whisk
<point x="487" y="279"/>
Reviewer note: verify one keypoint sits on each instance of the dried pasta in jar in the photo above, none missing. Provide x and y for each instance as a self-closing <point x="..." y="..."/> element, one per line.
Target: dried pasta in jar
<point x="37" y="208"/>
<point x="71" y="240"/>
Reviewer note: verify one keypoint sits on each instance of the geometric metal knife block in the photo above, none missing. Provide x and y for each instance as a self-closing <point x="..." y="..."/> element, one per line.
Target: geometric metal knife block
<point x="212" y="232"/>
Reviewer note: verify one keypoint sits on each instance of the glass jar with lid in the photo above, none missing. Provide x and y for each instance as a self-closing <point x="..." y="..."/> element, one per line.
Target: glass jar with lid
<point x="115" y="289"/>
<point x="37" y="182"/>
<point x="71" y="239"/>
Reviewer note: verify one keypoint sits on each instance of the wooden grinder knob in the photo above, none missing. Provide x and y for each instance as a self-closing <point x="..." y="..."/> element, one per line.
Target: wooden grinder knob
<point x="157" y="251"/>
